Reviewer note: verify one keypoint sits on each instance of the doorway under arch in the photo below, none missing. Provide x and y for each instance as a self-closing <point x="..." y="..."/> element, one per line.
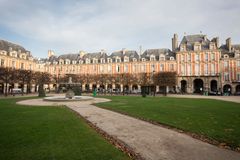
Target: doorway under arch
<point x="227" y="89"/>
<point x="184" y="86"/>
<point x="214" y="86"/>
<point x="238" y="89"/>
<point x="198" y="85"/>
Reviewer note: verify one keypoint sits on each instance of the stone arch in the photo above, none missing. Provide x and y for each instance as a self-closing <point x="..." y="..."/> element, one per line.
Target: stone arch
<point x="1" y="88"/>
<point x="184" y="86"/>
<point x="213" y="85"/>
<point x="198" y="85"/>
<point x="238" y="89"/>
<point x="227" y="88"/>
<point x="134" y="87"/>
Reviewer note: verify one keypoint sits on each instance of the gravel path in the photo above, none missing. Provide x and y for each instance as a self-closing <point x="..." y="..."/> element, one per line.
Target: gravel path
<point x="151" y="141"/>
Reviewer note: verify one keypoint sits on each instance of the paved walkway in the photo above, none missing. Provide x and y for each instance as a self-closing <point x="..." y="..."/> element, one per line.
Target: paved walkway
<point x="151" y="141"/>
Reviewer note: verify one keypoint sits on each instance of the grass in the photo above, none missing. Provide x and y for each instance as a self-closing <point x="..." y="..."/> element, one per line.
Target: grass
<point x="39" y="133"/>
<point x="217" y="120"/>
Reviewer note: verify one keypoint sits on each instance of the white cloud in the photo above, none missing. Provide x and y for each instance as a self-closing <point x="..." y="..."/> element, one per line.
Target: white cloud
<point x="70" y="26"/>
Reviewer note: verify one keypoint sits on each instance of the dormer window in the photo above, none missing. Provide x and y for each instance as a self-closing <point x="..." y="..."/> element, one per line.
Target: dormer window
<point x="95" y="61"/>
<point x="67" y="61"/>
<point x="152" y="58"/>
<point x="102" y="60"/>
<point x="197" y="46"/>
<point x="74" y="62"/>
<point x="182" y="48"/>
<point x="197" y="57"/>
<point x="143" y="59"/>
<point x="134" y="59"/>
<point x="87" y="60"/>
<point x="80" y="62"/>
<point x="213" y="56"/>
<point x="162" y="58"/>
<point x="171" y="58"/>
<point x="126" y="59"/>
<point x="226" y="56"/>
<point x="109" y="60"/>
<point x="211" y="46"/>
<point x="61" y="61"/>
<point x="118" y="60"/>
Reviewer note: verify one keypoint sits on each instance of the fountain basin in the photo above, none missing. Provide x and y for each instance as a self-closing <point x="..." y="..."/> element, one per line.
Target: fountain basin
<point x="64" y="99"/>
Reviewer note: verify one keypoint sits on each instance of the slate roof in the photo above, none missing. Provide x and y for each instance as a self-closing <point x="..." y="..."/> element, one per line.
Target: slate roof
<point x="224" y="50"/>
<point x="157" y="52"/>
<point x="5" y="45"/>
<point x="189" y="40"/>
<point x="128" y="53"/>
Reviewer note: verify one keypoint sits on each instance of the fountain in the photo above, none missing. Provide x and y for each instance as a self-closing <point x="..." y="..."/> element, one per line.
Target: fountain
<point x="69" y="96"/>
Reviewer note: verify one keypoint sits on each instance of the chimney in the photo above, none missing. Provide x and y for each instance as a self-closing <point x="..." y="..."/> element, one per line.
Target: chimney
<point x="123" y="51"/>
<point x="204" y="37"/>
<point x="81" y="53"/>
<point x="50" y="53"/>
<point x="217" y="42"/>
<point x="174" y="42"/>
<point x="229" y="44"/>
<point x="102" y="51"/>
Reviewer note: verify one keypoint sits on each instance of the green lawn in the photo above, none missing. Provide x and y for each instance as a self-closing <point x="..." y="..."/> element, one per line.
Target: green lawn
<point x="214" y="119"/>
<point x="49" y="133"/>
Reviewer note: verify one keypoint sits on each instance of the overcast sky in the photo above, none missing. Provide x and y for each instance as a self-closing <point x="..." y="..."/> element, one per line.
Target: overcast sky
<point x="91" y="25"/>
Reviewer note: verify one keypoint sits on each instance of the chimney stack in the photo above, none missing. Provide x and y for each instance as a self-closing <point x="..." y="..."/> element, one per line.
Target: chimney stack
<point x="174" y="42"/>
<point x="123" y="51"/>
<point x="217" y="42"/>
<point x="50" y="53"/>
<point x="229" y="44"/>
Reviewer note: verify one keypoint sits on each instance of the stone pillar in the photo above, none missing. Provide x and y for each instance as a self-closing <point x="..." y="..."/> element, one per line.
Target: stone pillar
<point x="83" y="87"/>
<point x="25" y="88"/>
<point x="15" y="85"/>
<point x="157" y="88"/>
<point x="32" y="88"/>
<point x="121" y="85"/>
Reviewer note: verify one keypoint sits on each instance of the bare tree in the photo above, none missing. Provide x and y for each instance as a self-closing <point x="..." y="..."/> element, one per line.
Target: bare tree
<point x="165" y="79"/>
<point x="7" y="75"/>
<point x="42" y="78"/>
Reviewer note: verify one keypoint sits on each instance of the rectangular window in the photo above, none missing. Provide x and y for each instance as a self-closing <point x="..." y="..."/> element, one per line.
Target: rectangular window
<point x="238" y="63"/>
<point x="117" y="68"/>
<point x="2" y="62"/>
<point x="196" y="69"/>
<point x="238" y="77"/>
<point x="189" y="70"/>
<point x="126" y="68"/>
<point x="206" y="69"/>
<point x="13" y="64"/>
<point x="183" y="69"/>
<point x="225" y="64"/>
<point x="206" y="56"/>
<point x="182" y="58"/>
<point x="143" y="68"/>
<point x="171" y="67"/>
<point x="226" y="76"/>
<point x="101" y="68"/>
<point x="109" y="68"/>
<point x="134" y="68"/>
<point x="152" y="67"/>
<point x="22" y="66"/>
<point x="212" y="56"/>
<point x="197" y="57"/>
<point x="161" y="67"/>
<point x="212" y="69"/>
<point x="189" y="57"/>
